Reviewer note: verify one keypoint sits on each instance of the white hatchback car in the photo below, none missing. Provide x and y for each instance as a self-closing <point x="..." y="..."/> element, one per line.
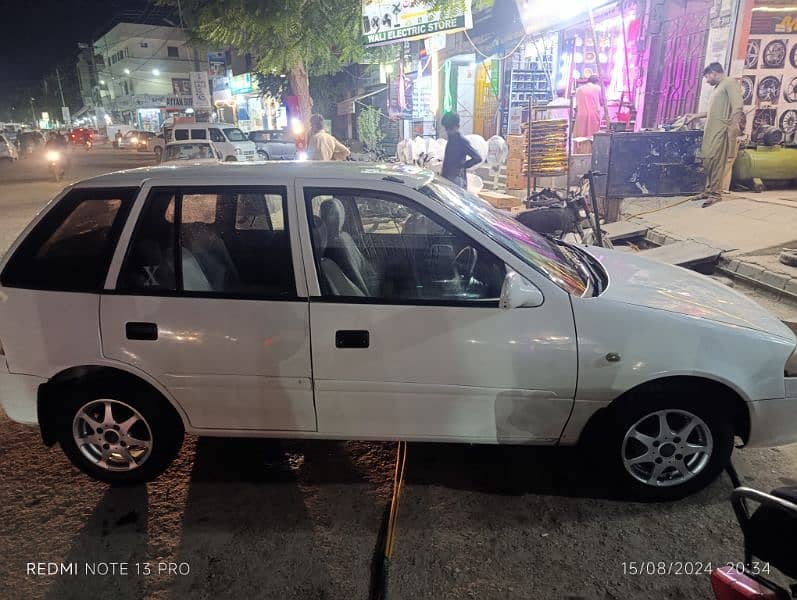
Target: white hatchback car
<point x="352" y="301"/>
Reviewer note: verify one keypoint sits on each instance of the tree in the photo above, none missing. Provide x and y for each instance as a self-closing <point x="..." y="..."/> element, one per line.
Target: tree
<point x="290" y="37"/>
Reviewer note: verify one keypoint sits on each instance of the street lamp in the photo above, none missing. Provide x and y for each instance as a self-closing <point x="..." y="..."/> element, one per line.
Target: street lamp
<point x="156" y="72"/>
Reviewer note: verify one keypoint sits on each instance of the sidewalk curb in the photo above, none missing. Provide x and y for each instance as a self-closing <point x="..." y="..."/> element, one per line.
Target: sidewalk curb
<point x="734" y="266"/>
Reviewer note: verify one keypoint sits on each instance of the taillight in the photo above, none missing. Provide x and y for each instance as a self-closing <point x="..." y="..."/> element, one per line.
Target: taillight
<point x="730" y="584"/>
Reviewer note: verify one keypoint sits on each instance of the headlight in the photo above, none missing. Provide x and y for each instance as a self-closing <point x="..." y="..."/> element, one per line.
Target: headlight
<point x="238" y="150"/>
<point x="134" y="140"/>
<point x="791" y="365"/>
<point x="53" y="156"/>
<point x="301" y="156"/>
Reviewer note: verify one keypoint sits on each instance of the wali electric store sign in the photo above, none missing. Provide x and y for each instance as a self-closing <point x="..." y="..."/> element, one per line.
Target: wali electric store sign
<point x="389" y="21"/>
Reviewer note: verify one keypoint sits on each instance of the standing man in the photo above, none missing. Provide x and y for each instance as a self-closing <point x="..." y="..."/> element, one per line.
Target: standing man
<point x="322" y="145"/>
<point x="721" y="132"/>
<point x="459" y="155"/>
<point x="589" y="100"/>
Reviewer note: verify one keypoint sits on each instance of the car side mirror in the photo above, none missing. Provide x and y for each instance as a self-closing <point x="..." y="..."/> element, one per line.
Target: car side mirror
<point x="519" y="292"/>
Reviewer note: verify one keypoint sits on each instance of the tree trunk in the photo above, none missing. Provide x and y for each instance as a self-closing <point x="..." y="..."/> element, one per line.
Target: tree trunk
<point x="300" y="87"/>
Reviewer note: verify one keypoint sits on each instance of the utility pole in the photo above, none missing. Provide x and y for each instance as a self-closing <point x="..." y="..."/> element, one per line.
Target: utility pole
<point x="33" y="112"/>
<point x="60" y="90"/>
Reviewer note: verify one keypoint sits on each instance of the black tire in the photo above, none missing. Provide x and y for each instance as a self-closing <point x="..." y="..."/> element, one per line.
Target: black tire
<point x="230" y="159"/>
<point x="162" y="420"/>
<point x="606" y="440"/>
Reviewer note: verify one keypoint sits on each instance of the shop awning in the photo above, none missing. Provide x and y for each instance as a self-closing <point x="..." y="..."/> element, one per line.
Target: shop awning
<point x="346" y="107"/>
<point x="81" y="112"/>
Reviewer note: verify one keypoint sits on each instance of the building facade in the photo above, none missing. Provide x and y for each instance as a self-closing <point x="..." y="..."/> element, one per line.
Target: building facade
<point x="144" y="74"/>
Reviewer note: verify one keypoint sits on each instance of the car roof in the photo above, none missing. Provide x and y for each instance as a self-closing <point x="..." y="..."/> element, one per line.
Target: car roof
<point x="354" y="172"/>
<point x="184" y="142"/>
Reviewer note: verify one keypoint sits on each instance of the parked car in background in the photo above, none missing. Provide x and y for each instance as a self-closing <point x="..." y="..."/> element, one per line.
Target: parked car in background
<point x="129" y="139"/>
<point x="228" y="139"/>
<point x="30" y="142"/>
<point x="273" y="144"/>
<point x="156" y="144"/>
<point x="200" y="316"/>
<point x="190" y="151"/>
<point x="8" y="150"/>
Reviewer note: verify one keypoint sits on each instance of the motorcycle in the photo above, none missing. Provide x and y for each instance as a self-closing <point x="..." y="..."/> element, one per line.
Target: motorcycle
<point x="56" y="163"/>
<point x="550" y="213"/>
<point x="89" y="144"/>
<point x="769" y="533"/>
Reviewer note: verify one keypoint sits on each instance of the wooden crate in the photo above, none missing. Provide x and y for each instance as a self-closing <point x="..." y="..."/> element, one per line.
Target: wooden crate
<point x="498" y="200"/>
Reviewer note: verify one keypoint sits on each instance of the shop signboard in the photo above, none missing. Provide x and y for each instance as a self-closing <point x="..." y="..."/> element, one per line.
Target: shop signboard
<point x="387" y="21"/>
<point x="149" y="101"/>
<point x="241" y="84"/>
<point x="766" y="21"/>
<point x="217" y="65"/>
<point x="181" y="87"/>
<point x="542" y="15"/>
<point x="200" y="90"/>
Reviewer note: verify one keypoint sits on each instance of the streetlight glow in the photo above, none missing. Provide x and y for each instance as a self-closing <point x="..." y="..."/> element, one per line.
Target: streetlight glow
<point x="156" y="72"/>
<point x="127" y="71"/>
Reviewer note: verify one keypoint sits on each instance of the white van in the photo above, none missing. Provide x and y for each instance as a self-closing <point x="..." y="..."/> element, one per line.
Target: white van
<point x="228" y="139"/>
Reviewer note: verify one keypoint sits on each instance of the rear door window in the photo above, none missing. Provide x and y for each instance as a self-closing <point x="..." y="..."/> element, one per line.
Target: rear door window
<point x="180" y="134"/>
<point x="199" y="134"/>
<point x="71" y="248"/>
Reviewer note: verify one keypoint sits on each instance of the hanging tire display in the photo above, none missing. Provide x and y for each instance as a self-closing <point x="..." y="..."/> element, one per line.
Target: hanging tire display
<point x="790" y="90"/>
<point x="763" y="116"/>
<point x="748" y="85"/>
<point x="793" y="56"/>
<point x="774" y="55"/>
<point x="769" y="89"/>
<point x="788" y="122"/>
<point x="751" y="57"/>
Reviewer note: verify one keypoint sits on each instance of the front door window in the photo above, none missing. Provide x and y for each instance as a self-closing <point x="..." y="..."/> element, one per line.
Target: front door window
<point x="386" y="247"/>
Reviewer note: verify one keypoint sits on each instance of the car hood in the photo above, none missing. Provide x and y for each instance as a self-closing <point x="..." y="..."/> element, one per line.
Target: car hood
<point x="646" y="282"/>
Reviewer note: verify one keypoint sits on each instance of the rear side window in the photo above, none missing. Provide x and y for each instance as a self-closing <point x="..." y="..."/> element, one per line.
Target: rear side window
<point x="70" y="249"/>
<point x="180" y="134"/>
<point x="199" y="134"/>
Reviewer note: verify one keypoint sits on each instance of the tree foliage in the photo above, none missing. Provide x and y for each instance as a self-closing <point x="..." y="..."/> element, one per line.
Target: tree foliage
<point x="321" y="35"/>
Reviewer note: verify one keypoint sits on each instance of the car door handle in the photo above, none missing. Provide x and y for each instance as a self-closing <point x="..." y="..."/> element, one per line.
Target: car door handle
<point x="141" y="331"/>
<point x="352" y="339"/>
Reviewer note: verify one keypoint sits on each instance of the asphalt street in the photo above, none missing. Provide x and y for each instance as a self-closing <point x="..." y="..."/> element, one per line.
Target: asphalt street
<point x="290" y="519"/>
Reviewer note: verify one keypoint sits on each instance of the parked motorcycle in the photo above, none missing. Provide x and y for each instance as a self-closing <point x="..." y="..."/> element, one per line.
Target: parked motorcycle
<point x="770" y="535"/>
<point x="56" y="162"/>
<point x="550" y="213"/>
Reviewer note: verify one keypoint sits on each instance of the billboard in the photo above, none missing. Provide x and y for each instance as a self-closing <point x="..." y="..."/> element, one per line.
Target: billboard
<point x="200" y="90"/>
<point x="385" y="22"/>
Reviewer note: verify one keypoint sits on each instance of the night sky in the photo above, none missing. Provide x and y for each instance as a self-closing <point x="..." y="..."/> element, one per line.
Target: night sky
<point x="38" y="35"/>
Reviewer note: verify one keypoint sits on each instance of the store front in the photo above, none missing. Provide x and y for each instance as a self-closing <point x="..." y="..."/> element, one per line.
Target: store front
<point x="237" y="99"/>
<point x="768" y="69"/>
<point x="148" y="112"/>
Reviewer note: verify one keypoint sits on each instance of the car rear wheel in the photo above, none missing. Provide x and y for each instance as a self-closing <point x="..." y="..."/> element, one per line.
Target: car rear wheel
<point x="665" y="443"/>
<point x="120" y="436"/>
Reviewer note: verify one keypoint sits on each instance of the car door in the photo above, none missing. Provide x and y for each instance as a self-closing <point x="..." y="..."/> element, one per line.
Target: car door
<point x="206" y="302"/>
<point x="408" y="339"/>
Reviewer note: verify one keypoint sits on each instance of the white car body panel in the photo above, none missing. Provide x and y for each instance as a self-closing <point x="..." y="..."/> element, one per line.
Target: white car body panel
<point x="439" y="373"/>
<point x="228" y="363"/>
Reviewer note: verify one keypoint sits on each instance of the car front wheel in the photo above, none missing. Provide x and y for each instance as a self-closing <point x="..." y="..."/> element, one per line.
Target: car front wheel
<point x="121" y="437"/>
<point x="665" y="448"/>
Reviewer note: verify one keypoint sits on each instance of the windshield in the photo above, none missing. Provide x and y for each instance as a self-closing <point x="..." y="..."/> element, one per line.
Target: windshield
<point x="537" y="251"/>
<point x="235" y="135"/>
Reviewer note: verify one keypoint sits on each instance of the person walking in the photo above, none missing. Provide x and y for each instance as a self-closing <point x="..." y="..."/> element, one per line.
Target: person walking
<point x="721" y="132"/>
<point x="322" y="145"/>
<point x="459" y="155"/>
<point x="588" y="101"/>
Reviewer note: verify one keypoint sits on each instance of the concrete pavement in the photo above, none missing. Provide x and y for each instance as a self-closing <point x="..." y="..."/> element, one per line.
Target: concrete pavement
<point x="749" y="228"/>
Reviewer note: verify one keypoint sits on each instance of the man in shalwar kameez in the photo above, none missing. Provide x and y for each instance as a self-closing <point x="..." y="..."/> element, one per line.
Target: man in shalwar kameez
<point x="721" y="132"/>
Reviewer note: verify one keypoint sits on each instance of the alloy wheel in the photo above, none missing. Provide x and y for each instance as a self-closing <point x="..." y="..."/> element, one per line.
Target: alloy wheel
<point x="667" y="448"/>
<point x="112" y="435"/>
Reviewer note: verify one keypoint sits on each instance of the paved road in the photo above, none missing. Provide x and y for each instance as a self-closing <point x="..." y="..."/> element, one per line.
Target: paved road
<point x="282" y="519"/>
